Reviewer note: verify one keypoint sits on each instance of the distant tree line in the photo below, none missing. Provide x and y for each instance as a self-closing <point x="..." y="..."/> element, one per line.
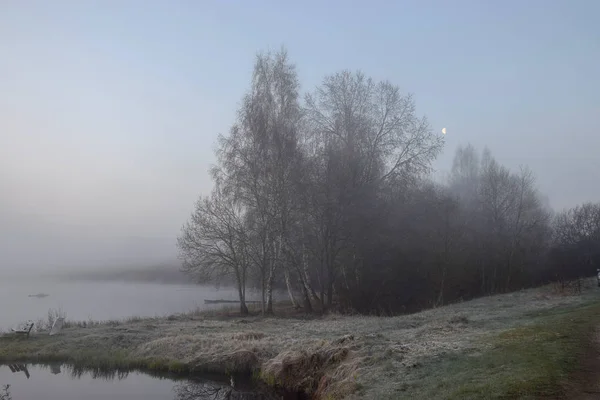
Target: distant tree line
<point x="165" y="273"/>
<point x="330" y="195"/>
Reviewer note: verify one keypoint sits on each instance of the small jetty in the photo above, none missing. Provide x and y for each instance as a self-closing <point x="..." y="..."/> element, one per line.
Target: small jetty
<point x="228" y="302"/>
<point x="39" y="295"/>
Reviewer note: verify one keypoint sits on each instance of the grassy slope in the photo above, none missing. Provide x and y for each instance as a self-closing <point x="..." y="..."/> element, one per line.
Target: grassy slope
<point x="537" y="360"/>
<point x="519" y="345"/>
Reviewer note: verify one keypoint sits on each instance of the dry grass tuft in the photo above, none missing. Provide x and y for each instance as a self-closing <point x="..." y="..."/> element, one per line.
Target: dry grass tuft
<point x="248" y="336"/>
<point x="45" y="325"/>
<point x="240" y="361"/>
<point x="308" y="371"/>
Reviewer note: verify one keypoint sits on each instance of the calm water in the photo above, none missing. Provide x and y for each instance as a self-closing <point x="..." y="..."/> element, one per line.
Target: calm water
<point x="50" y="382"/>
<point x="101" y="300"/>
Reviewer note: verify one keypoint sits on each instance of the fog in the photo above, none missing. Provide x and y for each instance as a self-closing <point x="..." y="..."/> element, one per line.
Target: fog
<point x="109" y="113"/>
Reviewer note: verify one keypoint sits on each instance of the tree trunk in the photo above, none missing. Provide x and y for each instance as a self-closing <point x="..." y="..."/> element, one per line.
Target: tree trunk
<point x="263" y="301"/>
<point x="508" y="272"/>
<point x="329" y="292"/>
<point x="269" y="309"/>
<point x="306" y="296"/>
<point x="243" y="308"/>
<point x="304" y="286"/>
<point x="286" y="274"/>
<point x="440" y="299"/>
<point x="345" y="276"/>
<point x="330" y="280"/>
<point x="272" y="266"/>
<point x="309" y="287"/>
<point x="263" y="287"/>
<point x="483" y="285"/>
<point x="241" y="293"/>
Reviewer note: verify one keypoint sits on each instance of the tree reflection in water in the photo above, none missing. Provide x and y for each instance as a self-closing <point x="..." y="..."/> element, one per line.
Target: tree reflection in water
<point x="99" y="373"/>
<point x="184" y="390"/>
<point x="214" y="391"/>
<point x="19" y="368"/>
<point x="55" y="369"/>
<point x="5" y="393"/>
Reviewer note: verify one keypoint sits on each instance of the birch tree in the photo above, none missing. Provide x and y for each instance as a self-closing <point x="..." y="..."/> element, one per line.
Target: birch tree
<point x="258" y="159"/>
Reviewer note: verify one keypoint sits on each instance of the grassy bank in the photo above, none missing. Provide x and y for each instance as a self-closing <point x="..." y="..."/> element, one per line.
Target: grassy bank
<point x="518" y="345"/>
<point x="541" y="359"/>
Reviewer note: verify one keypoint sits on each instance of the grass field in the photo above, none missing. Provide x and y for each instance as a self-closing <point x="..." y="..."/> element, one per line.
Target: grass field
<point x="527" y="344"/>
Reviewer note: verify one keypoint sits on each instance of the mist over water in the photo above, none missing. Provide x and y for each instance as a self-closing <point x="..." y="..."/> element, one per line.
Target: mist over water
<point x="85" y="300"/>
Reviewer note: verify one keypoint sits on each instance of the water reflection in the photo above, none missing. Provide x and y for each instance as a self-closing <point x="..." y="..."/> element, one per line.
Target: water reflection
<point x="98" y="373"/>
<point x="19" y="368"/>
<point x="204" y="391"/>
<point x="213" y="391"/>
<point x="5" y="393"/>
<point x="208" y="388"/>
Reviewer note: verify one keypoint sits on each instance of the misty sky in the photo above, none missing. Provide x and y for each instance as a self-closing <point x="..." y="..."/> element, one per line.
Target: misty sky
<point x="109" y="110"/>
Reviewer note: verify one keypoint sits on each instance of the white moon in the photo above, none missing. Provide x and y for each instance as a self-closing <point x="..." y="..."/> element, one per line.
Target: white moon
<point x="444" y="131"/>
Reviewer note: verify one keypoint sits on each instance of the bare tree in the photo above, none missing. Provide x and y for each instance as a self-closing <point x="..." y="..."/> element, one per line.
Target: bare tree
<point x="214" y="242"/>
<point x="466" y="175"/>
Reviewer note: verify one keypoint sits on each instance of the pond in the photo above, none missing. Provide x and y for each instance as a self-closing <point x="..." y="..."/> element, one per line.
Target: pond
<point x="64" y="382"/>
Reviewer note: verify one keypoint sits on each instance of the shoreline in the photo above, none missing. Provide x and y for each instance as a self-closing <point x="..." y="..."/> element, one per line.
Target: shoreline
<point x="333" y="355"/>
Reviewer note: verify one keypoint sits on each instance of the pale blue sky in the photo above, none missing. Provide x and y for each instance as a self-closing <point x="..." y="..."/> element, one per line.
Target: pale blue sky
<point x="109" y="110"/>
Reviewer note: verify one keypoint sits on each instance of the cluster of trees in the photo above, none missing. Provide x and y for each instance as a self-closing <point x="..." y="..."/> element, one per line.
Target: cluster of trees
<point x="576" y="243"/>
<point x="330" y="194"/>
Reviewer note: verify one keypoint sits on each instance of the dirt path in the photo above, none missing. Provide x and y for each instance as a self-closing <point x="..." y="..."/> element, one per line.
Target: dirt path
<point x="588" y="382"/>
